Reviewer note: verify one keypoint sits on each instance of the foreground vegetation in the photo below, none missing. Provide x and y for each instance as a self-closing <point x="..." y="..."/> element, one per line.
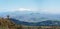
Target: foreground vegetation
<point x="6" y="23"/>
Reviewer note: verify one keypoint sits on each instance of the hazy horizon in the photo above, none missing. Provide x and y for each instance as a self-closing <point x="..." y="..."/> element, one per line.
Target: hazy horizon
<point x="42" y="6"/>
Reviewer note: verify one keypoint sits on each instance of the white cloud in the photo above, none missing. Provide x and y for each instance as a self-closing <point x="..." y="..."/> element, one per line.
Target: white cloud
<point x="16" y="9"/>
<point x="24" y="9"/>
<point x="49" y="11"/>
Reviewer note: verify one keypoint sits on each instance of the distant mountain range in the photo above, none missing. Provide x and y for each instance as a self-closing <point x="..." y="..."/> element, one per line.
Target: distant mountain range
<point x="33" y="18"/>
<point x="29" y="16"/>
<point x="43" y="23"/>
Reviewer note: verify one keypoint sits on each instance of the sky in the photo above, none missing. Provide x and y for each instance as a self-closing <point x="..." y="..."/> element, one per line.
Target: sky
<point x="42" y="6"/>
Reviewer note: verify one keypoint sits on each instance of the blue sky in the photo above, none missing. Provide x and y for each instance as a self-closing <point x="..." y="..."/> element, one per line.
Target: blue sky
<point x="43" y="6"/>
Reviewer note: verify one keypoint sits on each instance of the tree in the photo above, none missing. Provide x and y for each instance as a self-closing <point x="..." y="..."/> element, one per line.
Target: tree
<point x="8" y="16"/>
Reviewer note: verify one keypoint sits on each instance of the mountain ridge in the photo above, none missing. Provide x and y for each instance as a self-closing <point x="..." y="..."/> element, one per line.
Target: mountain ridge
<point x="43" y="23"/>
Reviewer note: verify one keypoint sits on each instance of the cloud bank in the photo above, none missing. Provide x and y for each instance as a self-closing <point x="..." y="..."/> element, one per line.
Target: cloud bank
<point x="48" y="11"/>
